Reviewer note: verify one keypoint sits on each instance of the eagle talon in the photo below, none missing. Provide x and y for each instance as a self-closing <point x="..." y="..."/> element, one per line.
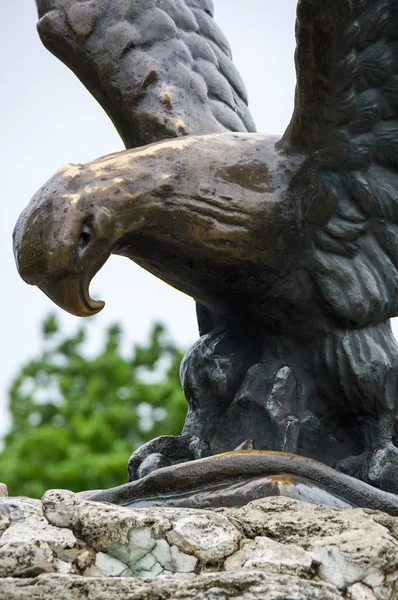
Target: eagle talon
<point x="291" y="426"/>
<point x="165" y="451"/>
<point x="381" y="469"/>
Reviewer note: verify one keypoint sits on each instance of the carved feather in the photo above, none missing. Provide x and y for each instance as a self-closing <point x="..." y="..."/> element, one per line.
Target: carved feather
<point x="346" y="122"/>
<point x="160" y="68"/>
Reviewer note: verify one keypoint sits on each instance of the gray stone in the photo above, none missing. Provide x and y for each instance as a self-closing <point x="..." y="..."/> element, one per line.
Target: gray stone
<point x="39" y="533"/>
<point x="59" y="507"/>
<point x="24" y="559"/>
<point x="358" y="591"/>
<point x="22" y="508"/>
<point x="162" y="553"/>
<point x="30" y="545"/>
<point x="181" y="562"/>
<point x="146" y="563"/>
<point x="100" y="525"/>
<point x="208" y="536"/>
<point x="264" y="553"/>
<point x="93" y="571"/>
<point x="148" y="567"/>
<point x="5" y="520"/>
<point x="3" y="490"/>
<point x="273" y="549"/>
<point x="109" y="566"/>
<point x="356" y="556"/>
<point x="62" y="567"/>
<point x="221" y="586"/>
<point x="140" y="544"/>
<point x="350" y="546"/>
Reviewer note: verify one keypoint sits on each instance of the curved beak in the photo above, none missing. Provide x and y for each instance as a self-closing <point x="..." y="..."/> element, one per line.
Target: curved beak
<point x="71" y="293"/>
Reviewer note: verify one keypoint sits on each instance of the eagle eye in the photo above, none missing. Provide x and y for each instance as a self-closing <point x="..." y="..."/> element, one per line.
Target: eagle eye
<point x="85" y="237"/>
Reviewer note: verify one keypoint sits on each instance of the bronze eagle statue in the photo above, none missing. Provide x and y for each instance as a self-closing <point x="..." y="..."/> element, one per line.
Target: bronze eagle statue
<point x="288" y="245"/>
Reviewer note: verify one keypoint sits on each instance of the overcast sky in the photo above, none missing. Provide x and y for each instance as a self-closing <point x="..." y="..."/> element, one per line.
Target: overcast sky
<point x="48" y="119"/>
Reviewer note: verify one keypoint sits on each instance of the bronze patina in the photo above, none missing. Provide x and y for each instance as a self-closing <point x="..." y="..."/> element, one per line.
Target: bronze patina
<point x="289" y="245"/>
<point x="235" y="478"/>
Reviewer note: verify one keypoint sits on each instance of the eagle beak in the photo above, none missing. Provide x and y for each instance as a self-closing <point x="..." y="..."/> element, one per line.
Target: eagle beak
<point x="72" y="294"/>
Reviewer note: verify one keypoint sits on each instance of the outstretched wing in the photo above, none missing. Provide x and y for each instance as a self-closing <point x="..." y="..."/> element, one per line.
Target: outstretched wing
<point x="345" y="128"/>
<point x="160" y="68"/>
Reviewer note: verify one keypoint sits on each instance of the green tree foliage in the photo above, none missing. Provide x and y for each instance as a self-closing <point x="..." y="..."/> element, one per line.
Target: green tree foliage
<point x="77" y="417"/>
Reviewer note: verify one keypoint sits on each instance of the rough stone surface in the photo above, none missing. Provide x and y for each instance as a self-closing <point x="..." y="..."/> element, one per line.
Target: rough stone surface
<point x="358" y="591"/>
<point x="67" y="547"/>
<point x="245" y="586"/>
<point x="30" y="545"/>
<point x="58" y="506"/>
<point x="3" y="490"/>
<point x="264" y="553"/>
<point x="210" y="537"/>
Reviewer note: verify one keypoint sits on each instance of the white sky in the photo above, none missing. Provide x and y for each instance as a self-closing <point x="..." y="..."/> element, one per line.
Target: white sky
<point x="48" y="119"/>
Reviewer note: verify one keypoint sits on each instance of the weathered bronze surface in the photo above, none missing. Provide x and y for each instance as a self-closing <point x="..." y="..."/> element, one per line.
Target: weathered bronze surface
<point x="289" y="246"/>
<point x="235" y="478"/>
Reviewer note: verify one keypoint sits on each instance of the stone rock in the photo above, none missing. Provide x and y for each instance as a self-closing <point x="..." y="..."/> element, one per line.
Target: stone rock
<point x="68" y="547"/>
<point x="39" y="533"/>
<point x="62" y="567"/>
<point x="264" y="553"/>
<point x="350" y="546"/>
<point x="142" y="539"/>
<point x="3" y="490"/>
<point x="182" y="563"/>
<point x="209" y="537"/>
<point x="239" y="586"/>
<point x="356" y="555"/>
<point x="102" y="524"/>
<point x="30" y="545"/>
<point x="162" y="553"/>
<point x="147" y="567"/>
<point x="358" y="591"/>
<point x="58" y="507"/>
<point x="109" y="566"/>
<point x="24" y="559"/>
<point x="5" y="520"/>
<point x="20" y="509"/>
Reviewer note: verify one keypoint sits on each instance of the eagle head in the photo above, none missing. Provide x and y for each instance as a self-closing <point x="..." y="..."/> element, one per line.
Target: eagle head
<point x="62" y="239"/>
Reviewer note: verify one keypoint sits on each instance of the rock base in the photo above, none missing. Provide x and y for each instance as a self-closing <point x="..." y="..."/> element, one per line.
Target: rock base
<point x="241" y="586"/>
<point x="64" y="547"/>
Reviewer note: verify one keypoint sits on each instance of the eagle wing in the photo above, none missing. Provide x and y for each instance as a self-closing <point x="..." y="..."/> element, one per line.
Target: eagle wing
<point x="159" y="68"/>
<point x="344" y="134"/>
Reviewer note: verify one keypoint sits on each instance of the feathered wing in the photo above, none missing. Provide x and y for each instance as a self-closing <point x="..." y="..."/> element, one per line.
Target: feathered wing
<point x="159" y="68"/>
<point x="345" y="129"/>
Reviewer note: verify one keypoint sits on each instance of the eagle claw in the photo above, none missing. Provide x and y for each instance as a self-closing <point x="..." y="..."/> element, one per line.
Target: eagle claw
<point x="165" y="451"/>
<point x="381" y="469"/>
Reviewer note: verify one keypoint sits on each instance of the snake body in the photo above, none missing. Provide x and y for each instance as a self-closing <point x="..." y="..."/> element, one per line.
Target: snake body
<point x="228" y="480"/>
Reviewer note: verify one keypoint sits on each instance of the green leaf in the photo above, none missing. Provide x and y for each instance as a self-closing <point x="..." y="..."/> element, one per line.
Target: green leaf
<point x="76" y="417"/>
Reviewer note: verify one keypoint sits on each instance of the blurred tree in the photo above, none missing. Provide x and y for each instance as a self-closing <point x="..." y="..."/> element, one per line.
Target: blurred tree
<point x="76" y="418"/>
